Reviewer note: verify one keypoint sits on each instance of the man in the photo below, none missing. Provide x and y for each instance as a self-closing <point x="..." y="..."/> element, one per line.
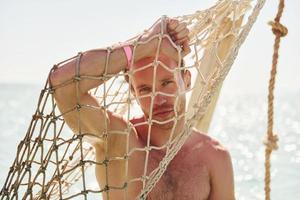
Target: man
<point x="202" y="169"/>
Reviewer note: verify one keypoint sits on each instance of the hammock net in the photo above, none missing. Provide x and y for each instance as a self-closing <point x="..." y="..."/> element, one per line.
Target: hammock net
<point x="54" y="163"/>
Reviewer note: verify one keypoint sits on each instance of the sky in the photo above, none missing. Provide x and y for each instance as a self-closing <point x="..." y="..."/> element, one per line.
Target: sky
<point x="34" y="35"/>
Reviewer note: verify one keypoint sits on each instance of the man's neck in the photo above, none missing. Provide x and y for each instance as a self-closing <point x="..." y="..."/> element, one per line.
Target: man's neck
<point x="160" y="135"/>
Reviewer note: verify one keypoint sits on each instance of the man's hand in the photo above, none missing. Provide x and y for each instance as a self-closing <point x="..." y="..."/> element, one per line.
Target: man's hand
<point x="178" y="33"/>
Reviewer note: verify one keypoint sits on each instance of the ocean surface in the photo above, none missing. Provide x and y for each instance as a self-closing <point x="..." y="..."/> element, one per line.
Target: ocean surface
<point x="239" y="123"/>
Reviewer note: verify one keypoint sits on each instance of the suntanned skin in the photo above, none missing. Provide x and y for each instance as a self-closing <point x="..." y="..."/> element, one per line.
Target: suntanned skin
<point x="201" y="170"/>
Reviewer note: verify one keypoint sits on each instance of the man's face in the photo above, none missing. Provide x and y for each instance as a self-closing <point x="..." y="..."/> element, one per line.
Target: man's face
<point x="166" y="84"/>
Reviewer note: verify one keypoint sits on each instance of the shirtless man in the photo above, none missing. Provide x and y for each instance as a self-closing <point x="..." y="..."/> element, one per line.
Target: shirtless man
<point x="201" y="170"/>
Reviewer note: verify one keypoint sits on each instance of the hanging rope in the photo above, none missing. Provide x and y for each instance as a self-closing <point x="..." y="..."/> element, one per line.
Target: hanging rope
<point x="271" y="142"/>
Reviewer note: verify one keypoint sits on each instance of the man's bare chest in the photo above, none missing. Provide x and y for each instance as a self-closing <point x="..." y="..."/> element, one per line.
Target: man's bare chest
<point x="185" y="178"/>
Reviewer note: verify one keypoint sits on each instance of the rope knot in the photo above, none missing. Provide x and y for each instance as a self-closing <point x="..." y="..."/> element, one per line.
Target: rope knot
<point x="278" y="28"/>
<point x="271" y="142"/>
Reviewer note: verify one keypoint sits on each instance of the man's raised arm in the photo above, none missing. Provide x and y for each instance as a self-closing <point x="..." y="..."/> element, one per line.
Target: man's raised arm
<point x="93" y="63"/>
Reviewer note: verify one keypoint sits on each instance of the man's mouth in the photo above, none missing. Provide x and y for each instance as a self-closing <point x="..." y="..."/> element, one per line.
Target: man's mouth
<point x="163" y="113"/>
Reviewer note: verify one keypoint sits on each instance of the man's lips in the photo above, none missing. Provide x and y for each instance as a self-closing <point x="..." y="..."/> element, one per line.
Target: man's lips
<point x="162" y="113"/>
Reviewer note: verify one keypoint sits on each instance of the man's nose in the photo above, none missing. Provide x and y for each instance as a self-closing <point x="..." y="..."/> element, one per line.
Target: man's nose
<point x="159" y="99"/>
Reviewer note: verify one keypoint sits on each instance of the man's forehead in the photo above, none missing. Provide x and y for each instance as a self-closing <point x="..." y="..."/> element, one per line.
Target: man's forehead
<point x="168" y="62"/>
<point x="147" y="75"/>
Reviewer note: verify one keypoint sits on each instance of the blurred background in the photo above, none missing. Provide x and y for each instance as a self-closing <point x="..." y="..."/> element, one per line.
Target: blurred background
<point x="34" y="35"/>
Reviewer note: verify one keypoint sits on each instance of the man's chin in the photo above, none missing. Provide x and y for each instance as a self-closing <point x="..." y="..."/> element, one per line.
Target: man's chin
<point x="164" y="125"/>
<point x="164" y="119"/>
<point x="165" y="122"/>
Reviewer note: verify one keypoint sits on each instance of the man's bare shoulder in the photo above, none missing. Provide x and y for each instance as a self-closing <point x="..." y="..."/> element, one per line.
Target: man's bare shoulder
<point x="213" y="150"/>
<point x="218" y="162"/>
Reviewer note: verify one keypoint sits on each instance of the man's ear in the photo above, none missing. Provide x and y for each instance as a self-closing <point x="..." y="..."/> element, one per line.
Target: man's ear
<point x="187" y="79"/>
<point x="134" y="94"/>
<point x="130" y="86"/>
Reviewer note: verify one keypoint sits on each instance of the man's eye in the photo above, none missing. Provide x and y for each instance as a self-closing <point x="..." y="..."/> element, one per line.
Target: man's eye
<point x="144" y="90"/>
<point x="167" y="82"/>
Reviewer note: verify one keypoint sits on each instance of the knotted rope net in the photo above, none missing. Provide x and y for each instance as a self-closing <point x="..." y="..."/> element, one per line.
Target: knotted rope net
<point x="52" y="162"/>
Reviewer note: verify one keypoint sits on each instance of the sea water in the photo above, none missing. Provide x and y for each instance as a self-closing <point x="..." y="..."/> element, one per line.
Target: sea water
<point x="239" y="123"/>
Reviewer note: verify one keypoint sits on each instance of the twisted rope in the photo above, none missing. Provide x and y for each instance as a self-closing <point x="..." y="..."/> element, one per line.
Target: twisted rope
<point x="271" y="141"/>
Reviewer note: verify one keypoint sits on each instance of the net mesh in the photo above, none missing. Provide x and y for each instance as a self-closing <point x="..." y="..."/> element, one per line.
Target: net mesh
<point x="51" y="158"/>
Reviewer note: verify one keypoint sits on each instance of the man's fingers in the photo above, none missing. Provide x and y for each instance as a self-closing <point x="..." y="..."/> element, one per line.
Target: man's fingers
<point x="182" y="34"/>
<point x="179" y="34"/>
<point x="186" y="48"/>
<point x="173" y="23"/>
<point x="180" y="27"/>
<point x="181" y="41"/>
